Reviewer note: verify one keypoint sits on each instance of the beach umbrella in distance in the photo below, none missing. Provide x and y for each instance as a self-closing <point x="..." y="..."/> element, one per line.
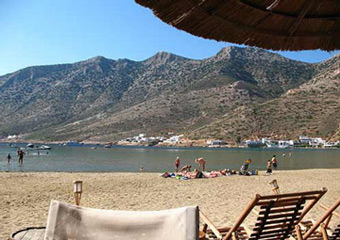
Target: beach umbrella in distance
<point x="271" y="24"/>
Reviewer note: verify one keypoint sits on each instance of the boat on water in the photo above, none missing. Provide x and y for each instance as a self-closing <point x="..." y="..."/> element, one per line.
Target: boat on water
<point x="279" y="144"/>
<point x="44" y="147"/>
<point x="30" y="145"/>
<point x="73" y="144"/>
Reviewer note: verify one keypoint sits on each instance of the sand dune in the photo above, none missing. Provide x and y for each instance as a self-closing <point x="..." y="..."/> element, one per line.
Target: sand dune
<point x="25" y="197"/>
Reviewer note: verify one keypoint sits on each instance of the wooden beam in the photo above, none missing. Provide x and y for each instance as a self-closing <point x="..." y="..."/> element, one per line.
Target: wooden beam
<point x="307" y="6"/>
<point x="207" y="221"/>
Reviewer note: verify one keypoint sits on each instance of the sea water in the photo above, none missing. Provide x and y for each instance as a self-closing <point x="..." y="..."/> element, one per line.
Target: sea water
<point x="155" y="159"/>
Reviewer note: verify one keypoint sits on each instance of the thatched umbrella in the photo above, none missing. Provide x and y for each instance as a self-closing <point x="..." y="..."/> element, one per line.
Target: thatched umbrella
<point x="270" y="24"/>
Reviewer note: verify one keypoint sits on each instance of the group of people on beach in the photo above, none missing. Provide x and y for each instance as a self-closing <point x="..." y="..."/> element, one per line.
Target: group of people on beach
<point x="184" y="172"/>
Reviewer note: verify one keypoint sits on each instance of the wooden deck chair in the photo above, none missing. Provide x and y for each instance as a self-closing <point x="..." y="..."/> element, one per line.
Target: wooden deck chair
<point x="277" y="217"/>
<point x="317" y="230"/>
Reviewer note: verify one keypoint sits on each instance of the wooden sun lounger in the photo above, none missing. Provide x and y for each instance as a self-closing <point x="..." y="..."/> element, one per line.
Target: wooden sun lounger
<point x="277" y="217"/>
<point x="318" y="230"/>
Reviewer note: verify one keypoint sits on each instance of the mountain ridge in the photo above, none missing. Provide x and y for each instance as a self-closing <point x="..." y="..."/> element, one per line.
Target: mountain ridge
<point x="104" y="99"/>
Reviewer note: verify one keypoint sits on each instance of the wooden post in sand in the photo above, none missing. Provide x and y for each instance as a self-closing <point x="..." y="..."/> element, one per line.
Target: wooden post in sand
<point x="77" y="190"/>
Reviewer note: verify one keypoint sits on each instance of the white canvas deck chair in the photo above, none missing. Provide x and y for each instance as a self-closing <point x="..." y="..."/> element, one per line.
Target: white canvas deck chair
<point x="69" y="222"/>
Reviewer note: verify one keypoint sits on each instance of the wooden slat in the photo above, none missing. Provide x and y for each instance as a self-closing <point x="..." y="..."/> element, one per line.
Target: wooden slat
<point x="281" y="204"/>
<point x="281" y="210"/>
<point x="287" y="221"/>
<point x="297" y="194"/>
<point x="282" y="230"/>
<point x="276" y="216"/>
<point x="270" y="227"/>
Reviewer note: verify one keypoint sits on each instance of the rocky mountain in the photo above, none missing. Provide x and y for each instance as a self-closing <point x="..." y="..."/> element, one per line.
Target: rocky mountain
<point x="239" y="91"/>
<point x="313" y="109"/>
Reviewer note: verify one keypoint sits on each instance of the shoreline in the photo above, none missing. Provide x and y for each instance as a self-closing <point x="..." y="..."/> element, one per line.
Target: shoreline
<point x="168" y="146"/>
<point x="26" y="195"/>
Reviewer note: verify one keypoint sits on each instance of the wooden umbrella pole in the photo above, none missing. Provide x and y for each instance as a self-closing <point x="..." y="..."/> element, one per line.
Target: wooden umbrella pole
<point x="77" y="198"/>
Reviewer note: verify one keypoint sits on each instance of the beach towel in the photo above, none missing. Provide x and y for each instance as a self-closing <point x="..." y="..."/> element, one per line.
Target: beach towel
<point x="66" y="221"/>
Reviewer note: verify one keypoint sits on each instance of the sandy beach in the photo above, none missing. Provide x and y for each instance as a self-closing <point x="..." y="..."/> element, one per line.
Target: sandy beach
<point x="25" y="197"/>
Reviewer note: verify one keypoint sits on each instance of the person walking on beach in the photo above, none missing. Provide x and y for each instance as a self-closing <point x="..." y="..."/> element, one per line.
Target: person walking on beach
<point x="201" y="163"/>
<point x="9" y="157"/>
<point x="177" y="163"/>
<point x="269" y="167"/>
<point x="274" y="162"/>
<point x="21" y="156"/>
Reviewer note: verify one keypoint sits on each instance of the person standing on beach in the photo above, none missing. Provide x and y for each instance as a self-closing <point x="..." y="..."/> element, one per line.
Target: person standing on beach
<point x="21" y="156"/>
<point x="269" y="167"/>
<point x="201" y="163"/>
<point x="274" y="162"/>
<point x="177" y="163"/>
<point x="9" y="157"/>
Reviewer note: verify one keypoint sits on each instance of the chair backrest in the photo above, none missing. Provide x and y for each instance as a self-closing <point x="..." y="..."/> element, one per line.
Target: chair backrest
<point x="325" y="219"/>
<point x="67" y="221"/>
<point x="278" y="214"/>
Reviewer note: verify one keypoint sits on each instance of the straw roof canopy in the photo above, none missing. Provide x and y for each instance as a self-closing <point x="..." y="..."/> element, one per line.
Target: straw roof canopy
<point x="271" y="24"/>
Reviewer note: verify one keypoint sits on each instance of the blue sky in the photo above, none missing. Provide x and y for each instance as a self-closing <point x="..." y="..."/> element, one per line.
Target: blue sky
<point x="41" y="32"/>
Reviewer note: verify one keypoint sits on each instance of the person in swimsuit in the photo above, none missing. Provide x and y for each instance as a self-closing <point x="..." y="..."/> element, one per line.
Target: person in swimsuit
<point x="274" y="161"/>
<point x="197" y="174"/>
<point x="201" y="163"/>
<point x="21" y="156"/>
<point x="269" y="167"/>
<point x="9" y="157"/>
<point x="177" y="163"/>
<point x="185" y="168"/>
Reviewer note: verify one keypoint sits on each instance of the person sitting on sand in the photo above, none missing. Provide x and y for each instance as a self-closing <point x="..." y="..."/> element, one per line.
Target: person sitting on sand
<point x="185" y="168"/>
<point x="201" y="163"/>
<point x="244" y="168"/>
<point x="177" y="163"/>
<point x="269" y="167"/>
